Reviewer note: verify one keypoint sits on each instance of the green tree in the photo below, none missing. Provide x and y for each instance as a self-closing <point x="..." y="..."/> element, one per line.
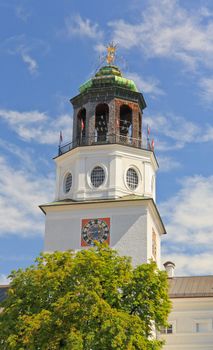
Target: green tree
<point x="90" y="300"/>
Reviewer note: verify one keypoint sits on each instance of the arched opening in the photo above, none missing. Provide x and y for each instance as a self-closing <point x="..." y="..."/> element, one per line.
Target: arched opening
<point x="81" y="126"/>
<point x="101" y="122"/>
<point x="126" y="124"/>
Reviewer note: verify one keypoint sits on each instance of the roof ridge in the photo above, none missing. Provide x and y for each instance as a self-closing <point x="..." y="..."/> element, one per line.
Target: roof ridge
<point x="197" y="276"/>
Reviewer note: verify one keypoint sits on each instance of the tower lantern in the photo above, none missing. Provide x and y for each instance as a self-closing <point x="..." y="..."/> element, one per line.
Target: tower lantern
<point x="105" y="177"/>
<point x="108" y="110"/>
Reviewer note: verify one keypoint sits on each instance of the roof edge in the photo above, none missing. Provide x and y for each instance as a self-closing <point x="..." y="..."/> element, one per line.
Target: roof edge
<point x="118" y="200"/>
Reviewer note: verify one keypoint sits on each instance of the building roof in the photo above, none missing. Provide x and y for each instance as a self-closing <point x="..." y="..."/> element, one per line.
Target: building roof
<point x="179" y="287"/>
<point x="69" y="201"/>
<point x="191" y="287"/>
<point x="108" y="75"/>
<point x="3" y="292"/>
<point x="108" y="82"/>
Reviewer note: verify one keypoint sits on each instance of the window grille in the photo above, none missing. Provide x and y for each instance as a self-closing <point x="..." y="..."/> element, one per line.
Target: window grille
<point x="132" y="179"/>
<point x="68" y="182"/>
<point x="167" y="330"/>
<point x="97" y="176"/>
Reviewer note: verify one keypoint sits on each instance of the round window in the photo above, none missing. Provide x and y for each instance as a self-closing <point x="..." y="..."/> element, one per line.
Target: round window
<point x="97" y="176"/>
<point x="132" y="179"/>
<point x="68" y="182"/>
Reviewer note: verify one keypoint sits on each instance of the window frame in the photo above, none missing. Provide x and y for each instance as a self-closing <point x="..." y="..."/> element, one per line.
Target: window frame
<point x="206" y="321"/>
<point x="65" y="182"/>
<point x="138" y="175"/>
<point x="164" y="330"/>
<point x="89" y="174"/>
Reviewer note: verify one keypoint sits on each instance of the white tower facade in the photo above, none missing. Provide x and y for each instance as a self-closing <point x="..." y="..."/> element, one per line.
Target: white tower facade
<point x="106" y="177"/>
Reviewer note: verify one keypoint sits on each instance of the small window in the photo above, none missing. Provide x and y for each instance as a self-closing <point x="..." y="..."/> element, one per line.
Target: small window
<point x="132" y="179"/>
<point x="170" y="329"/>
<point x="97" y="176"/>
<point x="202" y="327"/>
<point x="68" y="182"/>
<point x="167" y="330"/>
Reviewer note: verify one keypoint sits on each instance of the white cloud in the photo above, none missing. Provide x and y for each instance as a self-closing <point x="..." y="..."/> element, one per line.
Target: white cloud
<point x="168" y="164"/>
<point x="26" y="158"/>
<point x="25" y="48"/>
<point x="206" y="92"/>
<point x="22" y="13"/>
<point x="165" y="29"/>
<point x="21" y="191"/>
<point x="37" y="126"/>
<point x="19" y="9"/>
<point x="205" y="12"/>
<point x="207" y="134"/>
<point x="189" y="265"/>
<point x="77" y="26"/>
<point x="101" y="49"/>
<point x="31" y="63"/>
<point x="22" y="187"/>
<point x="189" y="223"/>
<point x="4" y="280"/>
<point x="174" y="132"/>
<point x="149" y="85"/>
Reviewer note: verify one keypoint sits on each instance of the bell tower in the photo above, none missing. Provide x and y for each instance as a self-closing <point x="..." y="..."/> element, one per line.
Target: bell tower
<point x="105" y="177"/>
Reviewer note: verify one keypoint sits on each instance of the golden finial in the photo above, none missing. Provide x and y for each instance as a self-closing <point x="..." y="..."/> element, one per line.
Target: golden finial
<point x="111" y="48"/>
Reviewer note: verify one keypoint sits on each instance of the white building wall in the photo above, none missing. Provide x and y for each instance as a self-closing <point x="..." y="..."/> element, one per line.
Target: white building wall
<point x="186" y="314"/>
<point x="128" y="227"/>
<point x="152" y="225"/>
<point x="115" y="160"/>
<point x="134" y="242"/>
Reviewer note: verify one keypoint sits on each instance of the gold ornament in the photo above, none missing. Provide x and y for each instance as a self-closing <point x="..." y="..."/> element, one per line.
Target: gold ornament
<point x="110" y="58"/>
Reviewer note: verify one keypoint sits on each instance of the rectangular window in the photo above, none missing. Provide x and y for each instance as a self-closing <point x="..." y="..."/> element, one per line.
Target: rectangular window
<point x="168" y="330"/>
<point x="202" y="327"/>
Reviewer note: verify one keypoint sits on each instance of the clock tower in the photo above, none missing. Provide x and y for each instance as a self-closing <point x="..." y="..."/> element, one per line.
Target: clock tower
<point x="106" y="177"/>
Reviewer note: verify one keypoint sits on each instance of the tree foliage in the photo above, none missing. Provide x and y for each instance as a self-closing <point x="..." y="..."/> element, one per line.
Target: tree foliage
<point x="90" y="300"/>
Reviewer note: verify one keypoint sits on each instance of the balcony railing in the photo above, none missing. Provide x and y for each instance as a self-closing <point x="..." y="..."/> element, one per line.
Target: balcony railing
<point x="103" y="140"/>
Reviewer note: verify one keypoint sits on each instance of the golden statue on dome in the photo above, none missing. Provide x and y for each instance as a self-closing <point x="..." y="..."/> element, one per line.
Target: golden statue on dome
<point x="111" y="48"/>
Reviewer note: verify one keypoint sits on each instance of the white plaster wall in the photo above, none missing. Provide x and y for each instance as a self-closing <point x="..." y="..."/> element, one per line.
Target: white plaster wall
<point x="130" y="234"/>
<point x="128" y="228"/>
<point x="153" y="225"/>
<point x="116" y="160"/>
<point x="186" y="312"/>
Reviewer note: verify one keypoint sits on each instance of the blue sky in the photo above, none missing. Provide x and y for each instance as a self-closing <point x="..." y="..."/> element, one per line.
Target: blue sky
<point x="47" y="50"/>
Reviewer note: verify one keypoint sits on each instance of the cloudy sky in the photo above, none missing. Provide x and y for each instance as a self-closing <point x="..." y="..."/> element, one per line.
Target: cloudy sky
<point x="47" y="49"/>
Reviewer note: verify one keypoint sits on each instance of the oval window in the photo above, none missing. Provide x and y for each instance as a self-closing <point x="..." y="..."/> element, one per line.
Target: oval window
<point x="97" y="176"/>
<point x="132" y="179"/>
<point x="68" y="182"/>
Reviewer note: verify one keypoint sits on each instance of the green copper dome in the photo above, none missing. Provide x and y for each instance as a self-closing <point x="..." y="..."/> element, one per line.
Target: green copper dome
<point x="108" y="70"/>
<point x="108" y="76"/>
